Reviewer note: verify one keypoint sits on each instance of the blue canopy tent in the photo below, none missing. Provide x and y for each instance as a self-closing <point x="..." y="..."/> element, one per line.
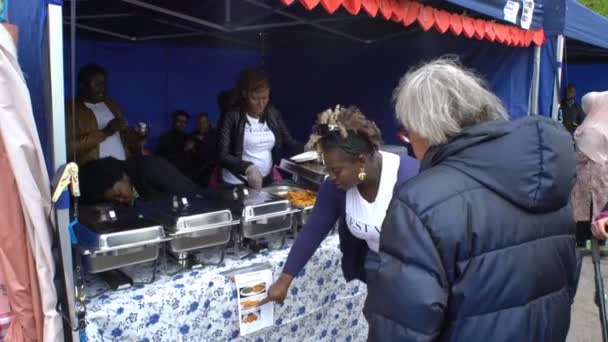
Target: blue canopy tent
<point x="239" y="23"/>
<point x="584" y="25"/>
<point x="585" y="31"/>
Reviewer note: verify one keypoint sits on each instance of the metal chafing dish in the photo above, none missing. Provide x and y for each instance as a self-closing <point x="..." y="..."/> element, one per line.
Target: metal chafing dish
<point x="300" y="217"/>
<point x="112" y="237"/>
<point x="308" y="174"/>
<point x="265" y="214"/>
<point x="193" y="223"/>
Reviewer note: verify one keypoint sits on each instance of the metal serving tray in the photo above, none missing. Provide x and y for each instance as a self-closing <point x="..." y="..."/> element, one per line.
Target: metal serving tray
<point x="121" y="238"/>
<point x="196" y="222"/>
<point x="265" y="214"/>
<point x="304" y="173"/>
<point x="301" y="217"/>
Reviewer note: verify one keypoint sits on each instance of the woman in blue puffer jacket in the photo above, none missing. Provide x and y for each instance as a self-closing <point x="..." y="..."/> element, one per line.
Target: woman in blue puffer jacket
<point x="480" y="245"/>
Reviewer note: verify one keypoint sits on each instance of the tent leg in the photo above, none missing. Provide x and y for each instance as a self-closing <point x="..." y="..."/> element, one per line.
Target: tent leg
<point x="559" y="56"/>
<point x="57" y="136"/>
<point x="535" y="85"/>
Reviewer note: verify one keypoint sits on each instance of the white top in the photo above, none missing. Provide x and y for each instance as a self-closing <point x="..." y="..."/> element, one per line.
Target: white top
<point x="112" y="146"/>
<point x="364" y="219"/>
<point x="258" y="142"/>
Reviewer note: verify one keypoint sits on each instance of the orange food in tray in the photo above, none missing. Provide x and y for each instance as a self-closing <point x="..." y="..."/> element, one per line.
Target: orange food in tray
<point x="301" y="198"/>
<point x="248" y="304"/>
<point x="250" y="318"/>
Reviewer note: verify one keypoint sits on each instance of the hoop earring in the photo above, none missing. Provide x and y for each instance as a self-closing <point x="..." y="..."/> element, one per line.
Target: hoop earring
<point x="362" y="175"/>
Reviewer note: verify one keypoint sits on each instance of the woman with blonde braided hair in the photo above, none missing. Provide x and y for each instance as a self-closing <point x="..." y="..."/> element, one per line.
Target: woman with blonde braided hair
<point x="356" y="194"/>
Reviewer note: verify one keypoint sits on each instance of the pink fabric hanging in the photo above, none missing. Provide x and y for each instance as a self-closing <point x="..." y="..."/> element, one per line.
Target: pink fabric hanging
<point x="17" y="262"/>
<point x="6" y="315"/>
<point x="24" y="156"/>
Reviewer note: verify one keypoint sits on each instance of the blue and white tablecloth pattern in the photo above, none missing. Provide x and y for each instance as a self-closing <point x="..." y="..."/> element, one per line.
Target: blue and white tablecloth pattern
<point x="201" y="305"/>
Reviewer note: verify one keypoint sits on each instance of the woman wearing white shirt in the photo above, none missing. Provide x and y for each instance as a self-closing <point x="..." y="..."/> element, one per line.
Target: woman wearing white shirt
<point x="253" y="137"/>
<point x="356" y="195"/>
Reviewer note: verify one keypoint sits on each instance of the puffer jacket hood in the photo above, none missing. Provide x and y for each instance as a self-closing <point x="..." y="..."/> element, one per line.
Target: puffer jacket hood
<point x="538" y="177"/>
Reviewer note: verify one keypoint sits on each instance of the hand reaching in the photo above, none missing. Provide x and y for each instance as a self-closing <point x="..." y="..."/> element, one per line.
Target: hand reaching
<point x="278" y="291"/>
<point x="599" y="229"/>
<point x="254" y="177"/>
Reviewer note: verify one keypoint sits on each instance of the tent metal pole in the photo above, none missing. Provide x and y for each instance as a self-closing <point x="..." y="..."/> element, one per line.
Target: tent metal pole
<point x="304" y="21"/>
<point x="227" y="12"/>
<point x="203" y="33"/>
<point x="175" y="14"/>
<point x="102" y="31"/>
<point x="559" y="56"/>
<point x="535" y="84"/>
<point x="59" y="156"/>
<point x="289" y="24"/>
<point x="169" y="36"/>
<point x="101" y="16"/>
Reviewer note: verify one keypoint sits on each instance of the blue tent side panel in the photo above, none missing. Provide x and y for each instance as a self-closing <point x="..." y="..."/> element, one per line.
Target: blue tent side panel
<point x="585" y="25"/>
<point x="30" y="17"/>
<point x="495" y="9"/>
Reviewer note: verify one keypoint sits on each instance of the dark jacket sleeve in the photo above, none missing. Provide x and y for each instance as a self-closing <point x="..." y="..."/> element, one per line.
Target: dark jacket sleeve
<point x="407" y="289"/>
<point x="323" y="217"/>
<point x="226" y="133"/>
<point x="291" y="145"/>
<point x="168" y="149"/>
<point x="155" y="176"/>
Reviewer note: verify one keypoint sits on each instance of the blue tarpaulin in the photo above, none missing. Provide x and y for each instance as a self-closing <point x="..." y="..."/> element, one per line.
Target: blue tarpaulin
<point x="30" y="17"/>
<point x="508" y="70"/>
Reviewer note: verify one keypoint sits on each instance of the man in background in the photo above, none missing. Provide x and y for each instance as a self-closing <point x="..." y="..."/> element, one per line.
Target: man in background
<point x="96" y="127"/>
<point x="175" y="146"/>
<point x="572" y="112"/>
<point x="205" y="149"/>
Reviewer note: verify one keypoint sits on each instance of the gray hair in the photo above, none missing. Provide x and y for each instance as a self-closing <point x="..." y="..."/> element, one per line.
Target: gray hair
<point x="439" y="99"/>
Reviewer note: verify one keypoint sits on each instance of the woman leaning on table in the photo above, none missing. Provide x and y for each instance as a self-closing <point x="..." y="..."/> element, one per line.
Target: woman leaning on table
<point x="356" y="193"/>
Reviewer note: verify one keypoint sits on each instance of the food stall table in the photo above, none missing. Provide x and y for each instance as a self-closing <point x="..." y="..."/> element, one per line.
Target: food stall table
<point x="201" y="305"/>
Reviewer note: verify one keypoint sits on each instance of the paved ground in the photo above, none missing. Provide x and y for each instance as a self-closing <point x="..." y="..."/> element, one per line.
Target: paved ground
<point x="585" y="325"/>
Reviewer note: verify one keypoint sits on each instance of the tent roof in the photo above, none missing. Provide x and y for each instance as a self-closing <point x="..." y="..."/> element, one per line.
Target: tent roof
<point x="252" y="23"/>
<point x="585" y="25"/>
<point x="496" y="9"/>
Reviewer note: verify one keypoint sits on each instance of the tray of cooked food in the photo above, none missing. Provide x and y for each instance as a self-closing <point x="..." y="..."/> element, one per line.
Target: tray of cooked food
<point x="297" y="197"/>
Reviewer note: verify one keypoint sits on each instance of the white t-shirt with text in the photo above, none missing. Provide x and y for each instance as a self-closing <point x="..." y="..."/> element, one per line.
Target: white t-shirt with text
<point x="258" y="142"/>
<point x="364" y="219"/>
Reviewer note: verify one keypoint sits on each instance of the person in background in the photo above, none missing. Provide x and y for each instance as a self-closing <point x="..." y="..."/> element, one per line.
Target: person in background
<point x="480" y="245"/>
<point x="97" y="126"/>
<point x="204" y="153"/>
<point x="224" y="104"/>
<point x="122" y="182"/>
<point x="591" y="190"/>
<point x="572" y="112"/>
<point x="253" y="137"/>
<point x="175" y="146"/>
<point x="357" y="193"/>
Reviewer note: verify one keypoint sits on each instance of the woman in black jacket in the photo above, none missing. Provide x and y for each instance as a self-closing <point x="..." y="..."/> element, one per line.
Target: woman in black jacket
<point x="253" y="136"/>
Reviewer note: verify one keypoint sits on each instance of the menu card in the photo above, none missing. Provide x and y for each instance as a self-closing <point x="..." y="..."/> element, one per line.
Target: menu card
<point x="251" y="288"/>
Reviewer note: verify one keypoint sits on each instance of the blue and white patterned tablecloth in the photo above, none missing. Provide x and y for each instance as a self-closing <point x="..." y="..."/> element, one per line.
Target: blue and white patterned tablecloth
<point x="201" y="305"/>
